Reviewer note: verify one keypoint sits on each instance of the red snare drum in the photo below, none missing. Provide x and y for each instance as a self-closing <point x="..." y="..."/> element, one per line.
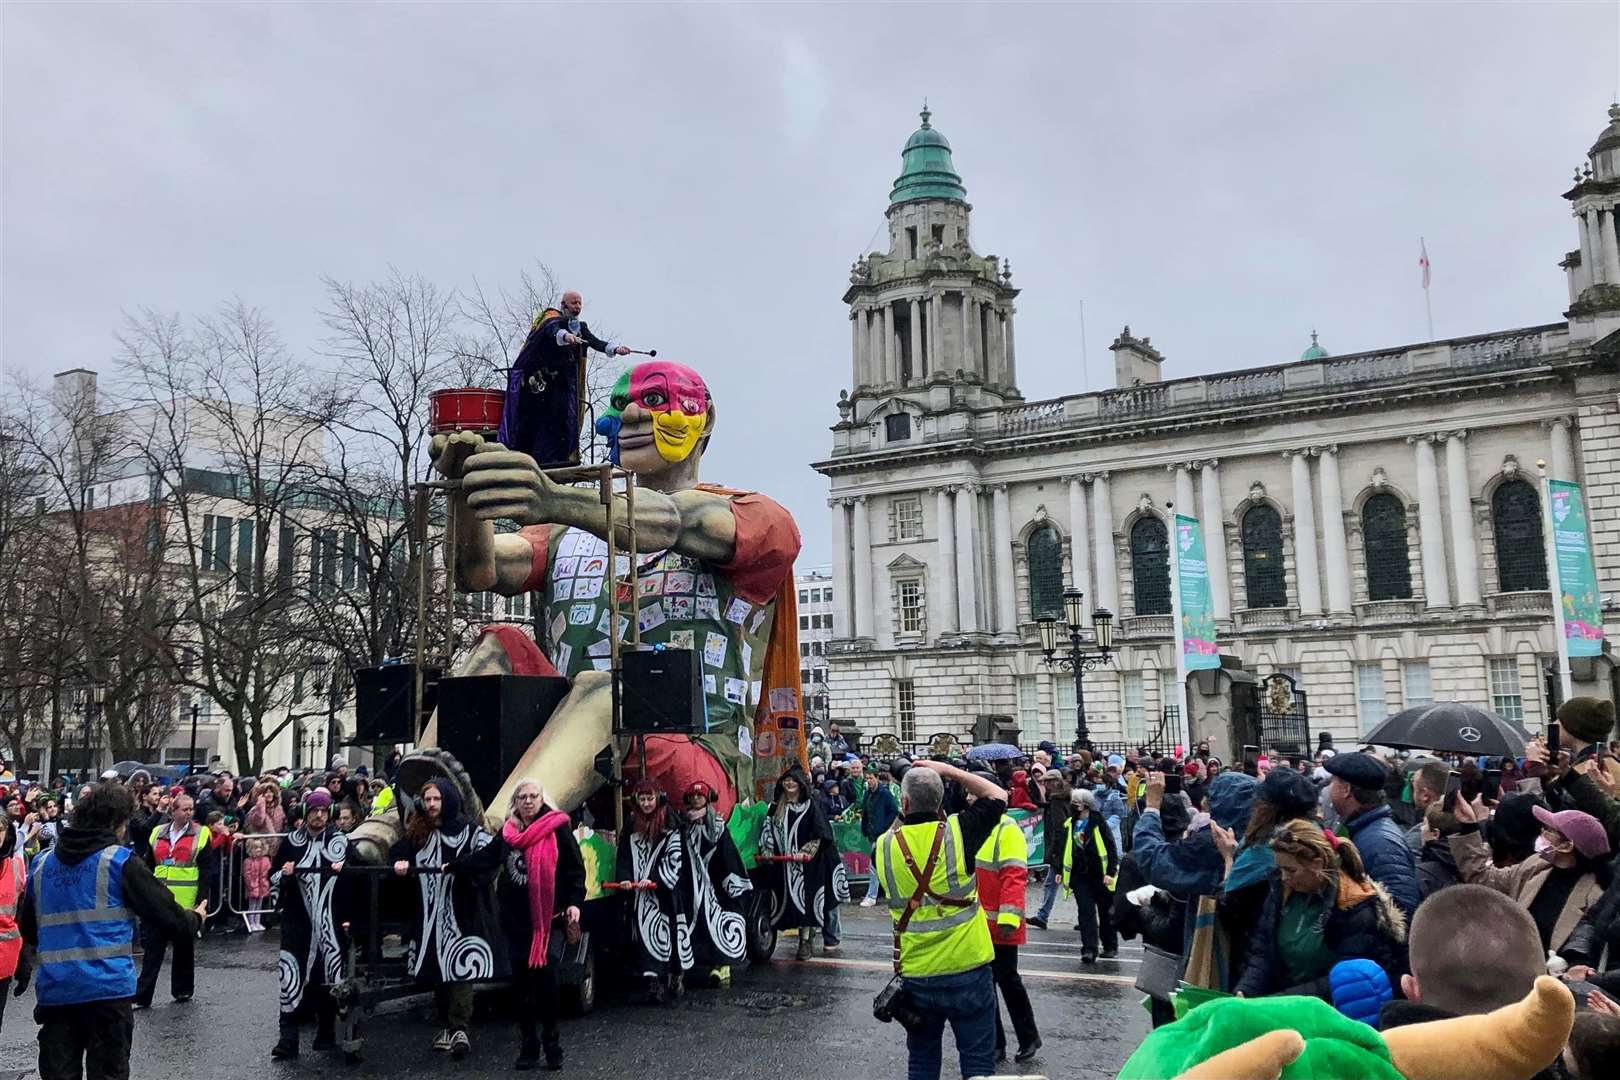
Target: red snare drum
<point x="466" y="409"/>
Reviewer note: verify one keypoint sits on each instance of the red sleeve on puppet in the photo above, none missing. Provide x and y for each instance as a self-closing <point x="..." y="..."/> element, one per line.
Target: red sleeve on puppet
<point x="539" y="538"/>
<point x="767" y="544"/>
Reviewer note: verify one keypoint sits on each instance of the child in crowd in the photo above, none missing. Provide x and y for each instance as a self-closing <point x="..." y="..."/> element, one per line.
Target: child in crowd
<point x="256" y="883"/>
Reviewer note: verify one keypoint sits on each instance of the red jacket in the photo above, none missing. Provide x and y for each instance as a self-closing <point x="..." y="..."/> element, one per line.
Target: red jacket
<point x="1002" y="874"/>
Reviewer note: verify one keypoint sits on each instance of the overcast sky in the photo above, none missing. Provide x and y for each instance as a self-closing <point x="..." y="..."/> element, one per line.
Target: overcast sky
<point x="1221" y="177"/>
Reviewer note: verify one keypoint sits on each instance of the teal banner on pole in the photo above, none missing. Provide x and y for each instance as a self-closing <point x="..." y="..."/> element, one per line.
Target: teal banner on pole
<point x="1577" y="578"/>
<point x="1196" y="634"/>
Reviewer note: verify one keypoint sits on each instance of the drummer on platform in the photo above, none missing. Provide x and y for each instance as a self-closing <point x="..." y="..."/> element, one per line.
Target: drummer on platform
<point x="542" y="392"/>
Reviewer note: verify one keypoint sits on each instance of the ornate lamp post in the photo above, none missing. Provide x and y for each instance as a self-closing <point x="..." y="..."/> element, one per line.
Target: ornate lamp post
<point x="191" y="755"/>
<point x="1076" y="657"/>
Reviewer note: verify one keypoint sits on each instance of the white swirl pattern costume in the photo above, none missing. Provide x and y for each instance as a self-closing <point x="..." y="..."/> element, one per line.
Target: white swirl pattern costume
<point x="311" y="951"/>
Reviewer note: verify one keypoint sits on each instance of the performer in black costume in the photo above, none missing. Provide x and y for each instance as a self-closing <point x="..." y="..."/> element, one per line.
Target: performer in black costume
<point x="312" y="940"/>
<point x="712" y="886"/>
<point x="457" y="939"/>
<point x="541" y="417"/>
<point x="537" y="914"/>
<point x="651" y="850"/>
<point x="805" y="891"/>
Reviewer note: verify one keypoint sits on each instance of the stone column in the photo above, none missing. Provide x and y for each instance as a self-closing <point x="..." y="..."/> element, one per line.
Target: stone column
<point x="1102" y="508"/>
<point x="945" y="560"/>
<point x="1588" y="272"/>
<point x="1460" y="506"/>
<point x="1010" y="361"/>
<point x="935" y="357"/>
<point x="1334" y="548"/>
<point x="891" y="355"/>
<point x="970" y="343"/>
<point x="1079" y="543"/>
<point x="1563" y="452"/>
<point x="992" y="364"/>
<point x="1436" y="588"/>
<point x="862" y="558"/>
<point x="857" y="360"/>
<point x="1606" y="244"/>
<point x="874" y="347"/>
<point x="1185" y="504"/>
<point x="1213" y="519"/>
<point x="916" y="339"/>
<point x="1307" y="575"/>
<point x="1006" y="605"/>
<point x="967" y="557"/>
<point x="843" y="588"/>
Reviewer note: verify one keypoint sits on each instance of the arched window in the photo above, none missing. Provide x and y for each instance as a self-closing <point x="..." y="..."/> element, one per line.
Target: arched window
<point x="1521" y="555"/>
<point x="1383" y="532"/>
<point x="1262" y="558"/>
<point x="1150" y="566"/>
<point x="1045" y="573"/>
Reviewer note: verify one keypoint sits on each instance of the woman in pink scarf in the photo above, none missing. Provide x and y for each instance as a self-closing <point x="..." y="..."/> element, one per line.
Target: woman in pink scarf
<point x="540" y="888"/>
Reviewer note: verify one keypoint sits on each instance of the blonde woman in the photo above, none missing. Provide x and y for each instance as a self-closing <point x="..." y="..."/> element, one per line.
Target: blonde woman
<point x="1323" y="908"/>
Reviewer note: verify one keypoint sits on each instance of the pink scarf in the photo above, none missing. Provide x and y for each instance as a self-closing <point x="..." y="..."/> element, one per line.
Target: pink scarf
<point x="538" y="843"/>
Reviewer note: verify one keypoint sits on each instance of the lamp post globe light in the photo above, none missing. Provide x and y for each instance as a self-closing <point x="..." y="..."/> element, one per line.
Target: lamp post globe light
<point x="1075" y="656"/>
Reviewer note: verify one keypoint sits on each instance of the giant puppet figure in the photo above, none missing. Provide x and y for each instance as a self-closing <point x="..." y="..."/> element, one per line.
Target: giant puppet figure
<point x="715" y="569"/>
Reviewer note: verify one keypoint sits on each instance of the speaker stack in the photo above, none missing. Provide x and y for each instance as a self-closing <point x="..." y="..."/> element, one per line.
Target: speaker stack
<point x="384" y="703"/>
<point x="661" y="693"/>
<point x="488" y="721"/>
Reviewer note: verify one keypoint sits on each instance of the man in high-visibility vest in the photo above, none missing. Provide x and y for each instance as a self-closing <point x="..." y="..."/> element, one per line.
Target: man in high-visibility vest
<point x="78" y="921"/>
<point x="1003" y="874"/>
<point x="178" y="845"/>
<point x="943" y="951"/>
<point x="1090" y="868"/>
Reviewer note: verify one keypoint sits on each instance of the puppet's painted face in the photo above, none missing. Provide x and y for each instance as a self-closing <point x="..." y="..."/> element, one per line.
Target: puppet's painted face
<point x="658" y="414"/>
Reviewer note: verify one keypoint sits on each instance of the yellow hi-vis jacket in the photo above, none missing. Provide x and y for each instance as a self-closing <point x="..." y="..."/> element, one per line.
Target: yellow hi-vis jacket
<point x="176" y="861"/>
<point x="940" y="939"/>
<point x="1097" y="827"/>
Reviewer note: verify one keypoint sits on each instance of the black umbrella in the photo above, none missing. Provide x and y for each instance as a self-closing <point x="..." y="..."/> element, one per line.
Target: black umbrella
<point x="1450" y="726"/>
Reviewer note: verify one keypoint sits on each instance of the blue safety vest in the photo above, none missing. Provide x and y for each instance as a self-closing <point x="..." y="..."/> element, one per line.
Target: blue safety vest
<point x="85" y="932"/>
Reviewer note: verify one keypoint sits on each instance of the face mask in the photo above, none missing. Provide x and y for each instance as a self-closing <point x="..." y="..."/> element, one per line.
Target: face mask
<point x="1545" y="849"/>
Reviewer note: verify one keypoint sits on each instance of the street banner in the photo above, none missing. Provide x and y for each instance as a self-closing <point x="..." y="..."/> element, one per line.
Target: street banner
<point x="1195" y="628"/>
<point x="1575" y="578"/>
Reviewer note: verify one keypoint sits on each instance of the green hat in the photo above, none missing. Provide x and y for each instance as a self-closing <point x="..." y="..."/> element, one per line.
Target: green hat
<point x="1589" y="719"/>
<point x="1335" y="1045"/>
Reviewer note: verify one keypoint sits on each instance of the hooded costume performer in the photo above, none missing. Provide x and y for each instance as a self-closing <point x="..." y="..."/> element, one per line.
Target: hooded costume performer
<point x="713" y="886"/>
<point x="804" y="892"/>
<point x="312" y="941"/>
<point x="456" y="937"/>
<point x="541" y="415"/>
<point x="651" y="849"/>
<point x="1297" y="1038"/>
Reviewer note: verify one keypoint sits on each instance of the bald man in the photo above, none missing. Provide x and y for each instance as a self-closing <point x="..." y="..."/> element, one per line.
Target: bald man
<point x="541" y="418"/>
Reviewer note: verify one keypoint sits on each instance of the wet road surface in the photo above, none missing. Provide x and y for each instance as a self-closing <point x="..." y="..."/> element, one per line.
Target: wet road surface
<point x="785" y="1021"/>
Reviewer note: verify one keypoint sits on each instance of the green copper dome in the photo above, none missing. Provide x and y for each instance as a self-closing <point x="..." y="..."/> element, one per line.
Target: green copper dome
<point x="1315" y="352"/>
<point x="926" y="171"/>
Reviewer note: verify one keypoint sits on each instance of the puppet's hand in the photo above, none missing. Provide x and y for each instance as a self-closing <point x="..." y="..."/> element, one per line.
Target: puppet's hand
<point x="502" y="483"/>
<point x="450" y="452"/>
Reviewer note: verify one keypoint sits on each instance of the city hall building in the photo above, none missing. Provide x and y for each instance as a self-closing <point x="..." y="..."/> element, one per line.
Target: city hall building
<point x="1373" y="521"/>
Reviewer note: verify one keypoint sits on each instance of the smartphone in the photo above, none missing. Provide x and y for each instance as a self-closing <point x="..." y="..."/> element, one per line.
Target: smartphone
<point x="1453" y="785"/>
<point x="1251" y="760"/>
<point x="1172" y="781"/>
<point x="1552" y="740"/>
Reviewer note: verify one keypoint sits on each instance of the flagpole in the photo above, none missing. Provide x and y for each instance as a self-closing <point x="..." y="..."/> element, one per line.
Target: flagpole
<point x="1554" y="581"/>
<point x="1428" y="306"/>
<point x="1178" y="639"/>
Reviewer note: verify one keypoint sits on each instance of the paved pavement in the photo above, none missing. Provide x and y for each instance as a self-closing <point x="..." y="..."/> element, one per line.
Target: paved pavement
<point x="782" y="1019"/>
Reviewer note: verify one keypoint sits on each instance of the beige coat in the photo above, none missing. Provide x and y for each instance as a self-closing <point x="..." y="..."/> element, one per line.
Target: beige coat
<point x="1522" y="881"/>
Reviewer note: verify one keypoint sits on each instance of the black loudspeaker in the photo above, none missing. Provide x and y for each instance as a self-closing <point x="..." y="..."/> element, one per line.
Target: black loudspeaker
<point x="661" y="693"/>
<point x="383" y="700"/>
<point x="488" y="721"/>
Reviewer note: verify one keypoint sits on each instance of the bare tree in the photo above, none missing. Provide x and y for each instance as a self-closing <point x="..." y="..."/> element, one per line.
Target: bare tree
<point x="231" y="426"/>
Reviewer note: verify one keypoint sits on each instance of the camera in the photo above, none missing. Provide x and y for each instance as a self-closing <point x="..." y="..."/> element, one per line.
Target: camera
<point x="894" y="1003"/>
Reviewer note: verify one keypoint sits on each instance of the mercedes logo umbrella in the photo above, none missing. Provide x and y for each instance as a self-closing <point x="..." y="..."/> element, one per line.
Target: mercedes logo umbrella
<point x="1450" y="726"/>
